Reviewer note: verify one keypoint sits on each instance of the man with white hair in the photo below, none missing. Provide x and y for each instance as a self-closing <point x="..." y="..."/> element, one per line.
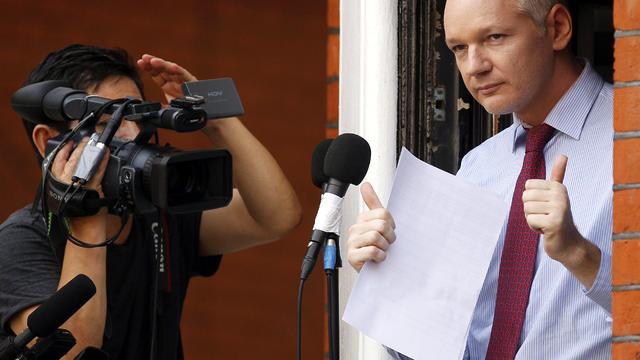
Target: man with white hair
<point x="549" y="296"/>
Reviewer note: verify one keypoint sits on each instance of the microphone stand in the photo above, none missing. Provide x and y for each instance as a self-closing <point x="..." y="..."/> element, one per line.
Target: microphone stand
<point x="332" y="262"/>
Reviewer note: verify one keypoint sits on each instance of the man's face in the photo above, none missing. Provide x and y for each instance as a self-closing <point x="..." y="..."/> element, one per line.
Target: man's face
<point x="504" y="60"/>
<point x="116" y="87"/>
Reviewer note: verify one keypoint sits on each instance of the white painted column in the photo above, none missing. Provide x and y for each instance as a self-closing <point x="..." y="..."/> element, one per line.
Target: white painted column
<point x="368" y="107"/>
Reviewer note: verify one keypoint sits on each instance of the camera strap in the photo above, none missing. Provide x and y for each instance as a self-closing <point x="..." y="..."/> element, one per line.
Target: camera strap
<point x="161" y="288"/>
<point x="80" y="201"/>
<point x="160" y="241"/>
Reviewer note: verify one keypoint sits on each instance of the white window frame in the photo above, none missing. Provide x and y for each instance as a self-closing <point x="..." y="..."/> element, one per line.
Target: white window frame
<point x="368" y="107"/>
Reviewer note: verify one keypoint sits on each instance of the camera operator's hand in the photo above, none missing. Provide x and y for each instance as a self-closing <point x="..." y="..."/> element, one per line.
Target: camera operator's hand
<point x="254" y="216"/>
<point x="167" y="75"/>
<point x="90" y="229"/>
<point x="67" y="159"/>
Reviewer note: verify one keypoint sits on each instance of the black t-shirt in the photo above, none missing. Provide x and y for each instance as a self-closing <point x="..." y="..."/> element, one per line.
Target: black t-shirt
<point x="30" y="271"/>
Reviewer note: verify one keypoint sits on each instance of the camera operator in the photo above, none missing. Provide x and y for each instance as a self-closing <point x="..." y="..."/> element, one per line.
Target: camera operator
<point x="121" y="318"/>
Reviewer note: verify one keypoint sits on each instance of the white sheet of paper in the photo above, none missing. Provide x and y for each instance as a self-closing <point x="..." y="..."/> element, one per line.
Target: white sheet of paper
<point x="420" y="300"/>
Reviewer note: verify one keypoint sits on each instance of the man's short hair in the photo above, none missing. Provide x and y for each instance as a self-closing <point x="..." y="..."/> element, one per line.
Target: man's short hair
<point x="84" y="67"/>
<point x="537" y="10"/>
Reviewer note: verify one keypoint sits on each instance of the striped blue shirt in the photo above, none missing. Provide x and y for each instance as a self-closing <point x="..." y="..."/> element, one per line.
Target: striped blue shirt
<point x="563" y="319"/>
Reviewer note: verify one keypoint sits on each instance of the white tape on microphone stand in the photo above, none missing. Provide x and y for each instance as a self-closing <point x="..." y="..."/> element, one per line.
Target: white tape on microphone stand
<point x="329" y="217"/>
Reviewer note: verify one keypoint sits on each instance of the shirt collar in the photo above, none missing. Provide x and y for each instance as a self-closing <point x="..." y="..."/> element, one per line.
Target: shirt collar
<point x="569" y="114"/>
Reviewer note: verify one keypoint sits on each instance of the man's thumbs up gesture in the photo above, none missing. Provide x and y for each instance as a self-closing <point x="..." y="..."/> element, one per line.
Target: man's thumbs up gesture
<point x="547" y="210"/>
<point x="373" y="232"/>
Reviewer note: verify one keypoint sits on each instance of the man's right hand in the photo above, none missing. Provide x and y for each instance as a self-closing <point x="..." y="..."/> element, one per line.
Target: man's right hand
<point x="373" y="232"/>
<point x="67" y="159"/>
<point x="91" y="229"/>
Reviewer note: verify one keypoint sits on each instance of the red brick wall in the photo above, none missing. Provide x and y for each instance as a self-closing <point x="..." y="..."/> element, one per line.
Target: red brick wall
<point x="276" y="52"/>
<point x="333" y="66"/>
<point x="626" y="172"/>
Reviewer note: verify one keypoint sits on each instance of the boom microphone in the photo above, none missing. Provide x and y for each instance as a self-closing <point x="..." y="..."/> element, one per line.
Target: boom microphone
<point x="52" y="314"/>
<point x="345" y="162"/>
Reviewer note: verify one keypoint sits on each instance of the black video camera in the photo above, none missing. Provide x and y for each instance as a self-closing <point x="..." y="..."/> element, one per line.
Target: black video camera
<point x="140" y="177"/>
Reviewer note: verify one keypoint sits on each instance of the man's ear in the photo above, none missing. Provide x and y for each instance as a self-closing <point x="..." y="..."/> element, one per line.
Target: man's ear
<point x="41" y="134"/>
<point x="559" y="26"/>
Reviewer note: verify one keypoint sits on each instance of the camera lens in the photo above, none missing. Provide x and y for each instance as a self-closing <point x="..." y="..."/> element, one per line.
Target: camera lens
<point x="186" y="182"/>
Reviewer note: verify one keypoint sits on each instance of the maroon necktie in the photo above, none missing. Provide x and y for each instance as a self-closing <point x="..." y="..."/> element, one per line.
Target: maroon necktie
<point x="518" y="255"/>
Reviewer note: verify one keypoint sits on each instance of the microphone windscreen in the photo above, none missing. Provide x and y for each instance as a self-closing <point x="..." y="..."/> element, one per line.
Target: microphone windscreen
<point x="348" y="158"/>
<point x="60" y="306"/>
<point x="318" y="176"/>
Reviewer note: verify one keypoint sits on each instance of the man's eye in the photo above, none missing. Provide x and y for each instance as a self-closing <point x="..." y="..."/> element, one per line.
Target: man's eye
<point x="458" y="48"/>
<point x="495" y="36"/>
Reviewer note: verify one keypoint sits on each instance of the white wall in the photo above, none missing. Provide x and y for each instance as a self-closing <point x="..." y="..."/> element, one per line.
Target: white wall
<point x="368" y="97"/>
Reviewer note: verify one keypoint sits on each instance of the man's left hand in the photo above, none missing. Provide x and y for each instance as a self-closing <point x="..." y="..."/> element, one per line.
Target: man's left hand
<point x="548" y="212"/>
<point x="167" y="75"/>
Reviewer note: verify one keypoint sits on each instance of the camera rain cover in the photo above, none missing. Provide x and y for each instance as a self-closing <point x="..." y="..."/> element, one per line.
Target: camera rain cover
<point x="221" y="98"/>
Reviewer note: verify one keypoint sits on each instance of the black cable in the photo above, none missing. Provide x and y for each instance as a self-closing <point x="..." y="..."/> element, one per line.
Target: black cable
<point x="116" y="119"/>
<point x="117" y="149"/>
<point x="105" y="106"/>
<point x="300" y="318"/>
<point x="74" y="240"/>
<point x="94" y="153"/>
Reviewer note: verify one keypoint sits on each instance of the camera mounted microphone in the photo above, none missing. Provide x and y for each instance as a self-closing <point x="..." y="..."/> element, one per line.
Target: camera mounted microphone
<point x="50" y="315"/>
<point x="345" y="161"/>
